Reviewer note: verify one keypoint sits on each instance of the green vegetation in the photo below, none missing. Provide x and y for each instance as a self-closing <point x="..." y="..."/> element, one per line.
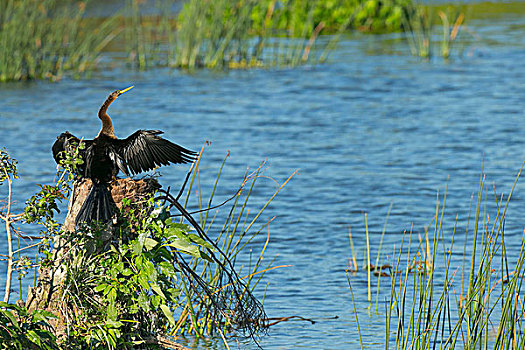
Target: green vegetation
<point x="236" y="235"/>
<point x="48" y="39"/>
<point x="419" y="23"/>
<point x="250" y="33"/>
<point x="364" y="15"/>
<point x="475" y="305"/>
<point x="161" y="276"/>
<point x="229" y="34"/>
<point x="45" y="39"/>
<point x="22" y="330"/>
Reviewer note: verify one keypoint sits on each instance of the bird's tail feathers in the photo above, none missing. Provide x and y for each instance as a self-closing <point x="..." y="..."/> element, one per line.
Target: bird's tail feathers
<point x="98" y="206"/>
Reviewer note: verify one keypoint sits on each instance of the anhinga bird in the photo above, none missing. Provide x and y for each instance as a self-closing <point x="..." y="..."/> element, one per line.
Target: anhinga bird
<point x="105" y="155"/>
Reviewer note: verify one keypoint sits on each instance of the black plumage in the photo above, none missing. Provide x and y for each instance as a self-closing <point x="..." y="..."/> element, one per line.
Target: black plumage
<point x="106" y="155"/>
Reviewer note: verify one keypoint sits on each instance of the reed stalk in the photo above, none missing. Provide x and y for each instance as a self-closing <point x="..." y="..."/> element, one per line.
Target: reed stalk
<point x="46" y="39"/>
<point x="226" y="34"/>
<point x="235" y="237"/>
<point x="445" y="313"/>
<point x="419" y="23"/>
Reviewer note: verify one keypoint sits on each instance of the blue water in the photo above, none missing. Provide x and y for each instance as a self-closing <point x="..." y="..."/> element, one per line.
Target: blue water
<point x="372" y="127"/>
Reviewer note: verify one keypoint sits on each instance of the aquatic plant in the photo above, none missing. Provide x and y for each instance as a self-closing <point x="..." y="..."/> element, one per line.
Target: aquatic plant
<point x="474" y="305"/>
<point x="45" y="39"/>
<point x="419" y="24"/>
<point x="149" y="39"/>
<point x="248" y="33"/>
<point x="366" y="15"/>
<point x="229" y="33"/>
<point x="234" y="236"/>
<point x="450" y="33"/>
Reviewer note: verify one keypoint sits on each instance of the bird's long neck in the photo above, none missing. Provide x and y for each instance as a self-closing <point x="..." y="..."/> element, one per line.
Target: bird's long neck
<point x="107" y="124"/>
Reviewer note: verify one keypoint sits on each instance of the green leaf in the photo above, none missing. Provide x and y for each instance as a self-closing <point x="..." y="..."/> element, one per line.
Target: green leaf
<point x="155" y="300"/>
<point x="178" y="226"/>
<point x="150" y="271"/>
<point x="168" y="313"/>
<point x="112" y="311"/>
<point x="167" y="269"/>
<point x="112" y="295"/>
<point x="127" y="272"/>
<point x="100" y="287"/>
<point x="139" y="261"/>
<point x="136" y="247"/>
<point x="143" y="281"/>
<point x="196" y="239"/>
<point x="164" y="252"/>
<point x="118" y="266"/>
<point x="185" y="247"/>
<point x="144" y="302"/>
<point x="206" y="256"/>
<point x="150" y="243"/>
<point x="33" y="337"/>
<point x="177" y="231"/>
<point x="173" y="295"/>
<point x="10" y="306"/>
<point x="114" y="324"/>
<point x="47" y="314"/>
<point x="108" y="289"/>
<point x="111" y="338"/>
<point x="155" y="287"/>
<point x="11" y="318"/>
<point x="42" y="316"/>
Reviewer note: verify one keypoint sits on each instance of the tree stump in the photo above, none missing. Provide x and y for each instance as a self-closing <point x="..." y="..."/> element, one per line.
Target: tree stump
<point x="49" y="291"/>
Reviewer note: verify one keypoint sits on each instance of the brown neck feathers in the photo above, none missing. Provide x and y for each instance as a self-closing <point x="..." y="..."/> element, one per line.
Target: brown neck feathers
<point x="107" y="125"/>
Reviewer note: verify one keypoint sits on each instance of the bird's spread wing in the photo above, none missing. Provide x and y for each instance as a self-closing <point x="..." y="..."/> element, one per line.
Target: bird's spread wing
<point x="61" y="144"/>
<point x="68" y="143"/>
<point x="145" y="150"/>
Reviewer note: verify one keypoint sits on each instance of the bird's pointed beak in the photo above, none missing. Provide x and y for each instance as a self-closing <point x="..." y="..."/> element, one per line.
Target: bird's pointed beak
<point x="125" y="90"/>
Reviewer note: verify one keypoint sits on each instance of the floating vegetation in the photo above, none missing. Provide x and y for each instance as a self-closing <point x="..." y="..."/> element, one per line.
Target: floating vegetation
<point x="44" y="39"/>
<point x="476" y="302"/>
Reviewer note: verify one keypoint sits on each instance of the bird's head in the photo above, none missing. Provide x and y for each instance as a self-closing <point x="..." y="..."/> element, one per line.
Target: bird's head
<point x="117" y="93"/>
<point x="112" y="97"/>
